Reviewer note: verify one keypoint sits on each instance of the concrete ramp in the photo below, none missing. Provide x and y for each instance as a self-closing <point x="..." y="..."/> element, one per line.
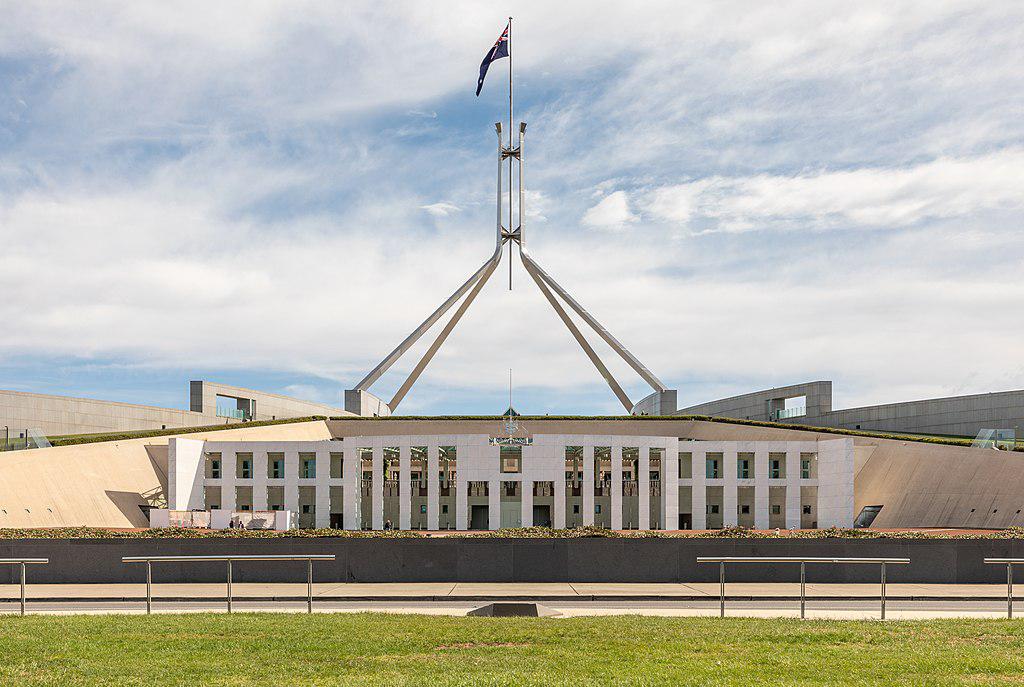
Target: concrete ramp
<point x="514" y="609"/>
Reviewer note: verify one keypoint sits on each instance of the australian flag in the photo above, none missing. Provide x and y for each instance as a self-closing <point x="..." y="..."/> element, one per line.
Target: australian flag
<point x="497" y="51"/>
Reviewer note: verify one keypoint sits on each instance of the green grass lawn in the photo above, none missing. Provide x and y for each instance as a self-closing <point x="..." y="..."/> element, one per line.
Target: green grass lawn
<point x="375" y="649"/>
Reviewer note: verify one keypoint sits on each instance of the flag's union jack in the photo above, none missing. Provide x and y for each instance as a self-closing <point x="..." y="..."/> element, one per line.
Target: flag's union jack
<point x="497" y="51"/>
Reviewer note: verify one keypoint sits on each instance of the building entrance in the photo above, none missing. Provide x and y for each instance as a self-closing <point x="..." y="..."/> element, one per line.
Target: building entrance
<point x="479" y="517"/>
<point x="542" y="516"/>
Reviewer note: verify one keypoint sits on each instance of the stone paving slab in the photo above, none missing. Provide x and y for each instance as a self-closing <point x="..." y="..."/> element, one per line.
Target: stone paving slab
<point x="466" y="590"/>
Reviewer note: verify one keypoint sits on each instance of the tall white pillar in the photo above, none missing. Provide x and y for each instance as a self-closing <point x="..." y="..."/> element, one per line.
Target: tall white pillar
<point x="404" y="487"/>
<point x="670" y="486"/>
<point x="322" y="515"/>
<point x="461" y="491"/>
<point x="558" y="507"/>
<point x="494" y="504"/>
<point x="730" y="487"/>
<point x="259" y="480"/>
<point x="792" y="488"/>
<point x="699" y="491"/>
<point x="526" y="515"/>
<point x="377" y="488"/>
<point x="643" y="483"/>
<point x="616" y="500"/>
<point x="433" y="488"/>
<point x="588" y="484"/>
<point x="761" y="484"/>
<point x="291" y="483"/>
<point x="228" y="481"/>
<point x="351" y="478"/>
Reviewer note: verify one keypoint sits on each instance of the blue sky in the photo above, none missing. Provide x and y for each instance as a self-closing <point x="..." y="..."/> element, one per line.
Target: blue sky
<point x="747" y="194"/>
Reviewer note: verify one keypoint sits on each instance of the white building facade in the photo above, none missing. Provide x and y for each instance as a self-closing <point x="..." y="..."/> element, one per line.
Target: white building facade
<point x="476" y="481"/>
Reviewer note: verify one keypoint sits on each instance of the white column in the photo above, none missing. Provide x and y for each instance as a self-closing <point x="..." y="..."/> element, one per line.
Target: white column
<point x="291" y="483"/>
<point x="229" y="475"/>
<point x="526" y="516"/>
<point x="792" y="488"/>
<point x="259" y="480"/>
<point x="323" y="489"/>
<point x="558" y="508"/>
<point x="377" y="488"/>
<point x="588" y="484"/>
<point x="670" y="487"/>
<point x="616" y="500"/>
<point x="643" y="483"/>
<point x="351" y="477"/>
<point x="761" y="485"/>
<point x="433" y="488"/>
<point x="404" y="487"/>
<point x="461" y="490"/>
<point x="494" y="504"/>
<point x="730" y="494"/>
<point x="699" y="492"/>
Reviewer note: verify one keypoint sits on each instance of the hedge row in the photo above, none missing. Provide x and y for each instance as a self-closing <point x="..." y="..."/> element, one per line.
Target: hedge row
<point x="73" y="439"/>
<point x="949" y="441"/>
<point x="512" y="533"/>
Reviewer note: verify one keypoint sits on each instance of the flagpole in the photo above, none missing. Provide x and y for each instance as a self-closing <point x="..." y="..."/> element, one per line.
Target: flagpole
<point x="510" y="119"/>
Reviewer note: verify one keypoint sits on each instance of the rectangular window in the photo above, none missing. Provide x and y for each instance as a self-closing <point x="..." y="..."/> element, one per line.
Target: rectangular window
<point x="244" y="466"/>
<point x="713" y="466"/>
<point x="444" y="507"/>
<point x="275" y="465"/>
<point x="712" y="509"/>
<point x="807" y="510"/>
<point x="743" y="467"/>
<point x="308" y="509"/>
<point x="307" y="465"/>
<point x="337" y="465"/>
<point x="423" y="509"/>
<point x="685" y="465"/>
<point x="597" y="508"/>
<point x="575" y="508"/>
<point x="213" y="466"/>
<point x="777" y="465"/>
<point x="776" y="509"/>
<point x="808" y="466"/>
<point x="745" y="510"/>
<point x="511" y="458"/>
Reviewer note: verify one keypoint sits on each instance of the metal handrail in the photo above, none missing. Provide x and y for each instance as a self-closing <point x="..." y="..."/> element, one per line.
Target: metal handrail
<point x="1008" y="562"/>
<point x="23" y="562"/>
<point x="149" y="560"/>
<point x="803" y="561"/>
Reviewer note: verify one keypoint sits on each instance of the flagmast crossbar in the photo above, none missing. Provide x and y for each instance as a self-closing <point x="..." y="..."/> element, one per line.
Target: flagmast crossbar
<point x="549" y="288"/>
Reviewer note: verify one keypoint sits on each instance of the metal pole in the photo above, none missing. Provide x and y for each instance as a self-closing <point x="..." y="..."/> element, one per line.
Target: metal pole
<point x="883" y="590"/>
<point x="1009" y="590"/>
<point x="23" y="588"/>
<point x="721" y="589"/>
<point x="149" y="587"/>
<point x="803" y="581"/>
<point x="309" y="586"/>
<point x="510" y="228"/>
<point x="229" y="585"/>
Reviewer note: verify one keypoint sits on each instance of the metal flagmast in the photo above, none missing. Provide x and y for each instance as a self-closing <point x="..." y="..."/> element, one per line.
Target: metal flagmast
<point x="510" y="120"/>
<point x="361" y="402"/>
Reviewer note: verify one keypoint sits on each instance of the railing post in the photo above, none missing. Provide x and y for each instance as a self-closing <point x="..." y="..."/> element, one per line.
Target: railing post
<point x="721" y="589"/>
<point x="149" y="587"/>
<point x="883" y="590"/>
<point x="1009" y="590"/>
<point x="309" y="585"/>
<point x="803" y="581"/>
<point x="23" y="587"/>
<point x="229" y="585"/>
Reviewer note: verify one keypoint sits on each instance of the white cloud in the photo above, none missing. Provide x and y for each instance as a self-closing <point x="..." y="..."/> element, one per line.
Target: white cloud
<point x="868" y="197"/>
<point x="442" y="209"/>
<point x="612" y="213"/>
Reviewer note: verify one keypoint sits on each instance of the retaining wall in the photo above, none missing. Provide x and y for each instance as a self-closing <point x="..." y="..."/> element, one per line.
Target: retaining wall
<point x="509" y="560"/>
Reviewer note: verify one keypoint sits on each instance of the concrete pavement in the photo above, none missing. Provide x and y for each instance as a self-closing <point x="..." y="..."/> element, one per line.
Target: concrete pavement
<point x="473" y="591"/>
